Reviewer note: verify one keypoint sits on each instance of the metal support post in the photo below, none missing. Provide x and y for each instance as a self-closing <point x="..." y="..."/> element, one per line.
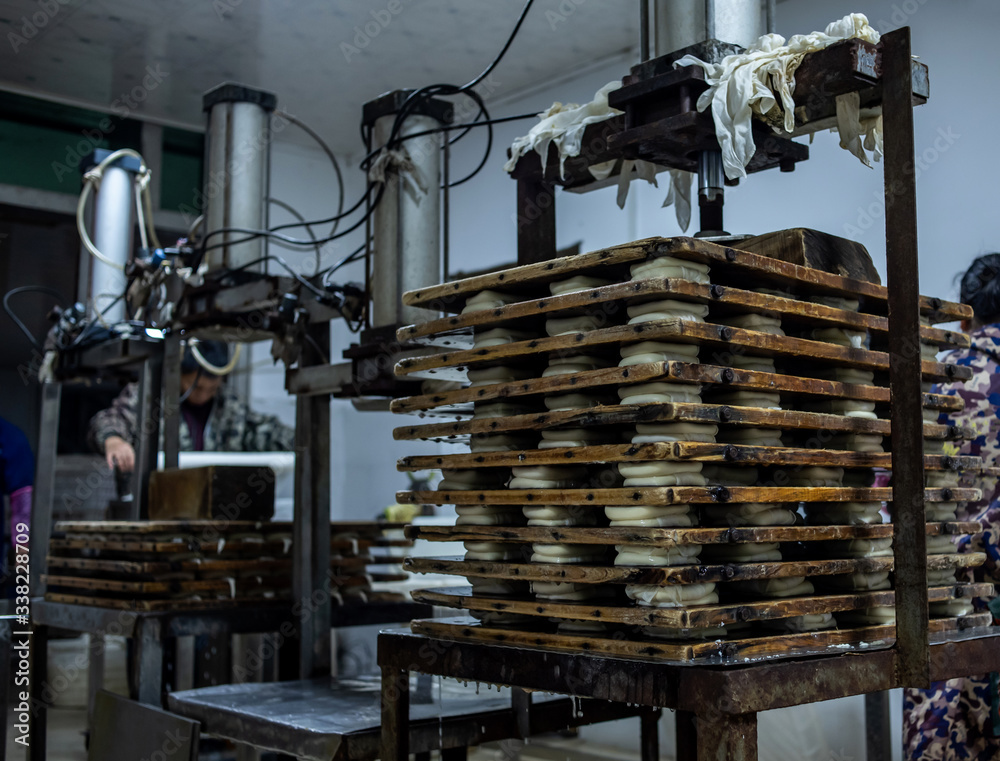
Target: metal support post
<point x="311" y="527"/>
<point x="45" y="485"/>
<point x="536" y="221"/>
<point x="148" y="409"/>
<point x="171" y="400"/>
<point x="878" y="742"/>
<point x="909" y="533"/>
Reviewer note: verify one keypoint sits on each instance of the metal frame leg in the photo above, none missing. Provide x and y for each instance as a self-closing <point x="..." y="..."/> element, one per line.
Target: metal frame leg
<point x="146" y="684"/>
<point x="649" y="735"/>
<point x="728" y="738"/>
<point x="148" y="408"/>
<point x="686" y="736"/>
<point x="878" y="735"/>
<point x="311" y="580"/>
<point x="45" y="475"/>
<point x="39" y="686"/>
<point x="95" y="672"/>
<point x="395" y="714"/>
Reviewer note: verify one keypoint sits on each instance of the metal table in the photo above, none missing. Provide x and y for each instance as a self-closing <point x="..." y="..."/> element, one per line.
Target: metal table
<point x="151" y="631"/>
<point x="338" y="719"/>
<point x="717" y="705"/>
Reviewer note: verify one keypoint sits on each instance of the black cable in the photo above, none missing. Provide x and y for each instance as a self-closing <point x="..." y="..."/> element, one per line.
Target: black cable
<point x="351" y="257"/>
<point x="14" y="317"/>
<point x="503" y="52"/>
<point x="291" y="210"/>
<point x="333" y="160"/>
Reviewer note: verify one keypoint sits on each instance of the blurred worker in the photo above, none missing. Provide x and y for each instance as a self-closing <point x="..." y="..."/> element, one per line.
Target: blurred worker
<point x="213" y="419"/>
<point x="958" y="718"/>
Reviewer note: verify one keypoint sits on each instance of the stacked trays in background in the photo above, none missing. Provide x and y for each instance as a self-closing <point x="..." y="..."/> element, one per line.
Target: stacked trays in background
<point x="174" y="565"/>
<point x="673" y="446"/>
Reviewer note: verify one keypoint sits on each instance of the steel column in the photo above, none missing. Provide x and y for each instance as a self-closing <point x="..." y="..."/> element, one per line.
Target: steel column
<point x="311" y="582"/>
<point x="171" y="400"/>
<point x="148" y="408"/>
<point x="536" y="221"/>
<point x="45" y="484"/>
<point x="728" y="738"/>
<point x="146" y="684"/>
<point x="649" y="735"/>
<point x="395" y="714"/>
<point x="686" y="737"/>
<point x="878" y="738"/>
<point x="909" y="535"/>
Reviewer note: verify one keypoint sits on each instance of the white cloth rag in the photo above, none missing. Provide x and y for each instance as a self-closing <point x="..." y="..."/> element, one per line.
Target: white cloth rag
<point x="563" y="126"/>
<point x="761" y="81"/>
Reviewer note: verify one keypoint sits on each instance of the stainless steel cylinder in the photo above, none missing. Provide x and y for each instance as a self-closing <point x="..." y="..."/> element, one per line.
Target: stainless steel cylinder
<point x="680" y="23"/>
<point x="407" y="222"/>
<point x="237" y="172"/>
<point x="113" y="221"/>
<point x="711" y="179"/>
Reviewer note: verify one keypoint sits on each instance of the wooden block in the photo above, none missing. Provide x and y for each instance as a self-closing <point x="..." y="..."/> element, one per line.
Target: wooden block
<point x="819" y="250"/>
<point x="225" y="492"/>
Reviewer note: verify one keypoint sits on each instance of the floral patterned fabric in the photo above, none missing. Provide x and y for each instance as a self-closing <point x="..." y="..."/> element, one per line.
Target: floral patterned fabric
<point x="953" y="719"/>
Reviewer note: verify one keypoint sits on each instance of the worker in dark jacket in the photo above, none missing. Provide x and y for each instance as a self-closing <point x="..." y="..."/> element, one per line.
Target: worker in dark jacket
<point x="213" y="419"/>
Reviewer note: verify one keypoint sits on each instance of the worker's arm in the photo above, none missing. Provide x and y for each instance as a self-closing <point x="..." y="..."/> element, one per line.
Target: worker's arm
<point x="234" y="427"/>
<point x="266" y="433"/>
<point x="112" y="431"/>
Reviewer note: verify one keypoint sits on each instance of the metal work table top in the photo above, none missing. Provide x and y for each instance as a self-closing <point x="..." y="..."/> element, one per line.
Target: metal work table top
<point x="237" y="619"/>
<point x="330" y="718"/>
<point x="727" y="689"/>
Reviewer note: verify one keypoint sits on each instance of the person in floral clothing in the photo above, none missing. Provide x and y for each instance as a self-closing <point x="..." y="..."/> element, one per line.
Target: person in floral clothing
<point x="957" y="719"/>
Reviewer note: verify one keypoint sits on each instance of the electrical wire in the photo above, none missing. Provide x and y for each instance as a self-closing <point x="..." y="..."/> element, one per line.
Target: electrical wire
<point x="333" y="160"/>
<point x="16" y="319"/>
<point x="93" y="177"/>
<point x="312" y="236"/>
<point x="225" y="369"/>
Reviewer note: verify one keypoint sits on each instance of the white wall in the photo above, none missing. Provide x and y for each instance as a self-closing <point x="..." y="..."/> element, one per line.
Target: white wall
<point x="831" y="192"/>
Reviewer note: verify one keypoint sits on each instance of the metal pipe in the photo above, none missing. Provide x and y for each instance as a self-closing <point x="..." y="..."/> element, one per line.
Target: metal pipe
<point x="710" y="19"/>
<point x="644" y="30"/>
<point x="771" y="16"/>
<point x="711" y="192"/>
<point x="679" y="24"/>
<point x="237" y="171"/>
<point x="114" y="220"/>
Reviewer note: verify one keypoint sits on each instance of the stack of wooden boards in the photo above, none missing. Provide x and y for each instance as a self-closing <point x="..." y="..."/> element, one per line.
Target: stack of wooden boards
<point x="174" y="565"/>
<point x="674" y="447"/>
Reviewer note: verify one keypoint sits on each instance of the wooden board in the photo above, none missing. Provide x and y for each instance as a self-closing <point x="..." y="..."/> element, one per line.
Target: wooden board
<point x="144" y="605"/>
<point x="669" y="537"/>
<point x="376" y="528"/>
<point x="705" y="334"/>
<point x="736" y="454"/>
<point x="744" y="648"/>
<point x="219" y="587"/>
<point x="450" y="297"/>
<point x="690" y="617"/>
<point x="104" y="545"/>
<point x="456" y="330"/>
<point x="816" y="249"/>
<point x="670" y="495"/>
<point x="630" y="414"/>
<point x="711" y="375"/>
<point x="670" y="575"/>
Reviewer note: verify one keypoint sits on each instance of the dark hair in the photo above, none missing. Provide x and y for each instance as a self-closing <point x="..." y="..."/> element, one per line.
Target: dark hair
<point x="981" y="288"/>
<point x="215" y="353"/>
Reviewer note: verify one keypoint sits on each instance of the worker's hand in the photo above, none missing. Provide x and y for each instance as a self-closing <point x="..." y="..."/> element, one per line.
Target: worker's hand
<point x="119" y="452"/>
